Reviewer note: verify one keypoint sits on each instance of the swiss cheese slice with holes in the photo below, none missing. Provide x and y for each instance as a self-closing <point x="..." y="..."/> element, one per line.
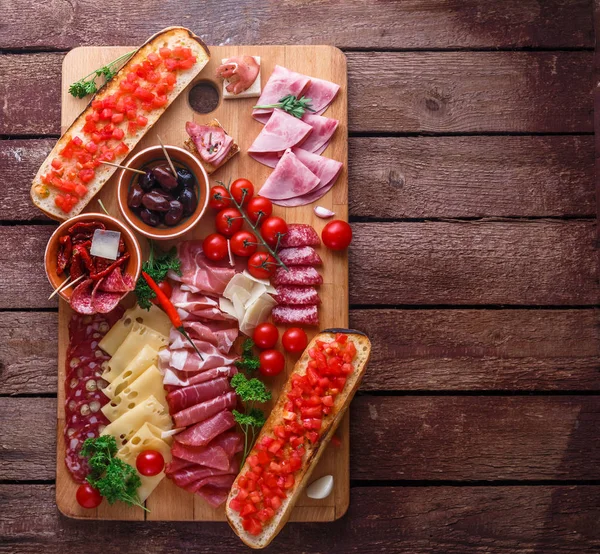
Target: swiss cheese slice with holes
<point x="148" y="411"/>
<point x="146" y="357"/>
<point x="154" y="318"/>
<point x="148" y="437"/>
<point x="138" y="337"/>
<point x="149" y="383"/>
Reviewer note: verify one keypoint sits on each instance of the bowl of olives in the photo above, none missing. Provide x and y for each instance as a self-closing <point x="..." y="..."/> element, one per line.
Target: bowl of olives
<point x="157" y="203"/>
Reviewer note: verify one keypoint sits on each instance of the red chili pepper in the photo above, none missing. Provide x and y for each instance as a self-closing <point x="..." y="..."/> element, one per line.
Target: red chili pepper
<point x="86" y="228"/>
<point x="171" y="311"/>
<point x="96" y="276"/>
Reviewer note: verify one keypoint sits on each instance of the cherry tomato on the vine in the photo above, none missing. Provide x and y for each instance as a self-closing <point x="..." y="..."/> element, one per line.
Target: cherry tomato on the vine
<point x="229" y="221"/>
<point x="261" y="265"/>
<point x="337" y="235"/>
<point x="272" y="362"/>
<point x="294" y="340"/>
<point x="88" y="497"/>
<point x="242" y="189"/>
<point x="166" y="287"/>
<point x="215" y="247"/>
<point x="259" y="206"/>
<point x="272" y="228"/>
<point x="149" y="462"/>
<point x="243" y="243"/>
<point x="265" y="335"/>
<point x="219" y="198"/>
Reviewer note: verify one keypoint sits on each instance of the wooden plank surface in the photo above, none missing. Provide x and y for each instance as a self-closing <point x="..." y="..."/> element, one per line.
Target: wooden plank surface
<point x="409" y="24"/>
<point x="433" y="92"/>
<point x="399" y="520"/>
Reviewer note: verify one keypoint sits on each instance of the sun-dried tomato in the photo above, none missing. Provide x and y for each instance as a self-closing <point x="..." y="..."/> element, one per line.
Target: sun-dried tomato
<point x="119" y="262"/>
<point x="64" y="254"/>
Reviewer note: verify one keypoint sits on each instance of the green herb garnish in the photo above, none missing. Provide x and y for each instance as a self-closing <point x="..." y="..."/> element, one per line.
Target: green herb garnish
<point x="291" y="104"/>
<point x="85" y="85"/>
<point x="248" y="361"/>
<point x="157" y="266"/>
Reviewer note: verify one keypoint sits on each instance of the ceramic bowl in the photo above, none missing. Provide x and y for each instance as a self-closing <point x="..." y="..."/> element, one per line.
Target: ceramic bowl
<point x="147" y="158"/>
<point x="133" y="267"/>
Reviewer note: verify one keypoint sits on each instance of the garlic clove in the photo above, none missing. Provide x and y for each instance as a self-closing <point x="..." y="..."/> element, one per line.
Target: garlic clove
<point x="321" y="488"/>
<point x="322" y="212"/>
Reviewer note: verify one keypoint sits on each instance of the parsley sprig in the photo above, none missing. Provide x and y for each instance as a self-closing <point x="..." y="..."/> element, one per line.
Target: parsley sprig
<point x="85" y="85"/>
<point x="157" y="266"/>
<point x="291" y="104"/>
<point x="114" y="479"/>
<point x="248" y="361"/>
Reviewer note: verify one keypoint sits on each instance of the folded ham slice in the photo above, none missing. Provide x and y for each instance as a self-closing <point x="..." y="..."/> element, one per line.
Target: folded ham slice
<point x="281" y="132"/>
<point x="321" y="93"/>
<point x="192" y="473"/>
<point x="212" y="143"/>
<point x="211" y="456"/>
<point x="220" y="333"/>
<point x="219" y="482"/>
<point x="174" y="378"/>
<point x="202" y="433"/>
<point x="281" y="83"/>
<point x="184" y="359"/>
<point x="194" y="394"/>
<point x="323" y="129"/>
<point x="290" y="179"/>
<point x="176" y="465"/>
<point x="204" y="410"/>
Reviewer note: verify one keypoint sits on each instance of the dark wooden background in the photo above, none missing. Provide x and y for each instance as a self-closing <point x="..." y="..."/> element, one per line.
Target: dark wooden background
<point x="474" y="269"/>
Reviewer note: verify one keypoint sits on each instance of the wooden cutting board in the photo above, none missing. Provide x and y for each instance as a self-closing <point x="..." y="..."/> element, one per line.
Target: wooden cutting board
<point x="168" y="502"/>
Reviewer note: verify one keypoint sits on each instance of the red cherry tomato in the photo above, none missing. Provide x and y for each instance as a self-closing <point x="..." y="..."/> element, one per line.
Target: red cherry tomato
<point x="149" y="462"/>
<point x="272" y="228"/>
<point x="261" y="265"/>
<point x="259" y="206"/>
<point x="243" y="243"/>
<point x="229" y="221"/>
<point x="337" y="235"/>
<point x="294" y="340"/>
<point x="219" y="198"/>
<point x="242" y="189"/>
<point x="215" y="247"/>
<point x="166" y="287"/>
<point x="265" y="335"/>
<point x="88" y="497"/>
<point x="272" y="362"/>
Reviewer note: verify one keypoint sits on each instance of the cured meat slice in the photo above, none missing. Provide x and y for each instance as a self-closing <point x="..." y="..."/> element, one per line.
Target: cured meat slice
<point x="297" y="275"/>
<point x="241" y="71"/>
<point x="192" y="473"/>
<point x="176" y="465"/>
<point x="102" y="301"/>
<point x="205" y="431"/>
<point x="116" y="281"/>
<point x="221" y="482"/>
<point x="213" y="495"/>
<point x="281" y="83"/>
<point x="204" y="410"/>
<point x="300" y="234"/>
<point x="231" y="442"/>
<point x="212" y="143"/>
<point x="323" y="129"/>
<point x="174" y="378"/>
<point x="180" y="356"/>
<point x="81" y="298"/>
<point x="296" y="295"/>
<point x="220" y="333"/>
<point x="321" y="93"/>
<point x="301" y="315"/>
<point x="211" y="456"/>
<point x="281" y="132"/>
<point x="290" y="179"/>
<point x="191" y="301"/>
<point x="188" y="396"/>
<point x="299" y="255"/>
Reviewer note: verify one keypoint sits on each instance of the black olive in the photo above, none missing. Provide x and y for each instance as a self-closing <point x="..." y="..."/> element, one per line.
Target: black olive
<point x="156" y="200"/>
<point x="188" y="198"/>
<point x="147" y="181"/>
<point x="185" y="177"/>
<point x="165" y="178"/>
<point x="149" y="217"/>
<point x="134" y="196"/>
<point x="175" y="213"/>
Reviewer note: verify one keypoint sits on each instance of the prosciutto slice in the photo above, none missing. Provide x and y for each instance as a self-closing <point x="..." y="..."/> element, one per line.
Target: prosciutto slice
<point x="211" y="456"/>
<point x="321" y="93"/>
<point x="220" y="482"/>
<point x="184" y="359"/>
<point x="290" y="179"/>
<point x="323" y="129"/>
<point x="174" y="378"/>
<point x="281" y="132"/>
<point x="176" y="465"/>
<point x="192" y="473"/>
<point x="281" y="82"/>
<point x="194" y="394"/>
<point x="202" y="433"/>
<point x="213" y="495"/>
<point x="219" y="333"/>
<point x="204" y="410"/>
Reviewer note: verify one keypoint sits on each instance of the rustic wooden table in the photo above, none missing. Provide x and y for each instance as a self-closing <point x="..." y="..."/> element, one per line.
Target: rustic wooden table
<point x="474" y="270"/>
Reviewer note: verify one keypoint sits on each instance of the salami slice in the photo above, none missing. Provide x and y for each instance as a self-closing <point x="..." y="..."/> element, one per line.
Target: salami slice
<point x="296" y="296"/>
<point x="116" y="281"/>
<point x="297" y="275"/>
<point x="300" y="234"/>
<point x="102" y="301"/>
<point x="300" y="255"/>
<point x="81" y="299"/>
<point x="301" y="315"/>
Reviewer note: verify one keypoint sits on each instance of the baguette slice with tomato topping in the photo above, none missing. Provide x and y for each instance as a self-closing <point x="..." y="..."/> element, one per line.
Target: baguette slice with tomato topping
<point x="64" y="185"/>
<point x="260" y="529"/>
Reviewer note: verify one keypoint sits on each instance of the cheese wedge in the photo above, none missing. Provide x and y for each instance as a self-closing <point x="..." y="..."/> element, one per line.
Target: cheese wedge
<point x="146" y="357"/>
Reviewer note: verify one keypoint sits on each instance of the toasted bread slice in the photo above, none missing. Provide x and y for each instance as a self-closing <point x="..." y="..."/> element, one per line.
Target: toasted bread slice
<point x="169" y="37"/>
<point x="208" y="167"/>
<point x="313" y="452"/>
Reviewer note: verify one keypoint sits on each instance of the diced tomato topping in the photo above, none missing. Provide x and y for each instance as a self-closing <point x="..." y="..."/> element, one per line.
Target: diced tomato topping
<point x="141" y="120"/>
<point x="97" y="104"/>
<point x="187" y="64"/>
<point x="118" y="133"/>
<point x="117" y="118"/>
<point x="171" y="79"/>
<point x="56" y="163"/>
<point x="131" y="128"/>
<point x="165" y="53"/>
<point x="143" y="94"/>
<point x="171" y="64"/>
<point x="86" y="175"/>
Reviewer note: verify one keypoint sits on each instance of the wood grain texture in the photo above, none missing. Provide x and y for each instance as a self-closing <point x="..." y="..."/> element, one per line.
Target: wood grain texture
<point x="433" y="92"/>
<point x="411" y="177"/>
<point x="439" y="177"/>
<point x="412" y="24"/>
<point x="454" y="92"/>
<point x="398" y="520"/>
<point x="520" y="263"/>
<point x="454" y="438"/>
<point x="475" y="438"/>
<point x="481" y="349"/>
<point x="429" y="350"/>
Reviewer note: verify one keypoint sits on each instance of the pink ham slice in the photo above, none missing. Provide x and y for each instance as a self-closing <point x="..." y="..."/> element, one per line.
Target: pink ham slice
<point x="204" y="410"/>
<point x="194" y="394"/>
<point x="296" y="295"/>
<point x="281" y="83"/>
<point x="192" y="473"/>
<point x="281" y="132"/>
<point x="212" y="455"/>
<point x="297" y="275"/>
<point x="323" y="129"/>
<point x="300" y="234"/>
<point x="205" y="431"/>
<point x="184" y="359"/>
<point x="177" y="465"/>
<point x="300" y="255"/>
<point x="290" y="179"/>
<point x="211" y="142"/>
<point x="174" y="379"/>
<point x="218" y="481"/>
<point x="190" y="301"/>
<point x="299" y="315"/>
<point x="219" y="333"/>
<point x="213" y="495"/>
<point x="321" y="93"/>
